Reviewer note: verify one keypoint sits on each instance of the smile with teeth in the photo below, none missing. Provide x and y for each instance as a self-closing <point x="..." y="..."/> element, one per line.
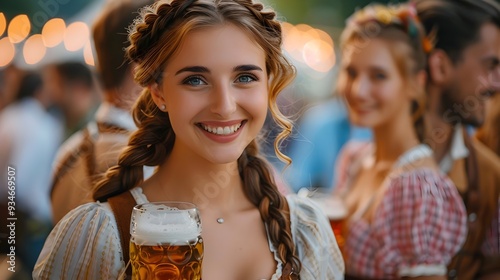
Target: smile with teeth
<point x="226" y="130"/>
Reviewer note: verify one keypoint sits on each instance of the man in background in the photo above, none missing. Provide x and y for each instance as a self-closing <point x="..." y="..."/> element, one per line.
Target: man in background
<point x="463" y="70"/>
<point x="85" y="157"/>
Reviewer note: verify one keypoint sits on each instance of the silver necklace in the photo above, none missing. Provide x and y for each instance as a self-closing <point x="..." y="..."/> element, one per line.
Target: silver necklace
<point x="220" y="220"/>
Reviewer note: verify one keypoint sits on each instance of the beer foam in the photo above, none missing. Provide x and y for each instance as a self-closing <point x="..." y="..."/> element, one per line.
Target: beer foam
<point x="153" y="226"/>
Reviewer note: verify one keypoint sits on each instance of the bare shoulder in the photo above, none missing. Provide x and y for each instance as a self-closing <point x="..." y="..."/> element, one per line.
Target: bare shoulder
<point x="424" y="163"/>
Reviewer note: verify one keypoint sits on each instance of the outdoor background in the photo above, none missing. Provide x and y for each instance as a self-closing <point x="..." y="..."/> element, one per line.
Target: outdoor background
<point x="37" y="32"/>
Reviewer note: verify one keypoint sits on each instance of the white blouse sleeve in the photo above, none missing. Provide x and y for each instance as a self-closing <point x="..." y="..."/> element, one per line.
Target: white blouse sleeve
<point x="313" y="237"/>
<point x="85" y="244"/>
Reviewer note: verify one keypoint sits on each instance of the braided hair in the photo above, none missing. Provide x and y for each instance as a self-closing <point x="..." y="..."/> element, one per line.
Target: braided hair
<point x="154" y="38"/>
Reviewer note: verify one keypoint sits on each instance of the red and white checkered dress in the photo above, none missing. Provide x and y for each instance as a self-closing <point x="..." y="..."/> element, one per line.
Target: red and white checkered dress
<point x="415" y="230"/>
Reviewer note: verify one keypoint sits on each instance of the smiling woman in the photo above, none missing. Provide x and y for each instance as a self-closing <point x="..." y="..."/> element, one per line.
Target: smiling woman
<point x="400" y="206"/>
<point x="211" y="70"/>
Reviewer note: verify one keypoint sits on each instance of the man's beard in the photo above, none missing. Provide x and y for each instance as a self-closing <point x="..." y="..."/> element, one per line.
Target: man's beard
<point x="453" y="110"/>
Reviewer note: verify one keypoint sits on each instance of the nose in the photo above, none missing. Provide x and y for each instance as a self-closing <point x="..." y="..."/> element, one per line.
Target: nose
<point x="360" y="87"/>
<point x="223" y="101"/>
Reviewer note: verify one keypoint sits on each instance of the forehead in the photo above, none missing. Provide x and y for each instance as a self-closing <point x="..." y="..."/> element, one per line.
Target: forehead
<point x="488" y="43"/>
<point x="218" y="45"/>
<point x="374" y="52"/>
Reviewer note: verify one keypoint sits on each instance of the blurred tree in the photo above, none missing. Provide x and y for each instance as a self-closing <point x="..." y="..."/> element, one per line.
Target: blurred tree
<point x="331" y="13"/>
<point x="40" y="11"/>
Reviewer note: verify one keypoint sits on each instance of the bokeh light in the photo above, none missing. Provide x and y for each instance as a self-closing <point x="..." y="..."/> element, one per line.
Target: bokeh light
<point x="7" y="50"/>
<point x="87" y="54"/>
<point x="34" y="49"/>
<point x="53" y="32"/>
<point x="19" y="28"/>
<point x="319" y="55"/>
<point x="3" y="24"/>
<point x="309" y="45"/>
<point x="76" y="36"/>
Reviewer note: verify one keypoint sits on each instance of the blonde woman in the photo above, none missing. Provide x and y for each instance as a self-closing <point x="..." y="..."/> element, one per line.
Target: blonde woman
<point x="405" y="217"/>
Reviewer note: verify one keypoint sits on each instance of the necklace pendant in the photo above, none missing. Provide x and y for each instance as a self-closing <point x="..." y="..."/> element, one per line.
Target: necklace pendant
<point x="220" y="220"/>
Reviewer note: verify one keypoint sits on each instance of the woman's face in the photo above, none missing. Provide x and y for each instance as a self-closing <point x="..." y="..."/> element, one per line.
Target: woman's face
<point x="372" y="85"/>
<point x="215" y="90"/>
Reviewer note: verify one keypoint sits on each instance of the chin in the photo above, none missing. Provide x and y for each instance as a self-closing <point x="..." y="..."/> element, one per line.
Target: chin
<point x="224" y="157"/>
<point x="362" y="122"/>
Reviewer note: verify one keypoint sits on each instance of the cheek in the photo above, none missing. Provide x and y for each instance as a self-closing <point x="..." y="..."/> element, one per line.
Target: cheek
<point x="256" y="105"/>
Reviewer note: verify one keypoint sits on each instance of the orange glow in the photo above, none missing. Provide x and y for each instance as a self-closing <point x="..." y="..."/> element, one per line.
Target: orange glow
<point x="7" y="50"/>
<point x="293" y="43"/>
<point x="34" y="49"/>
<point x="19" y="28"/>
<point x="303" y="27"/>
<point x="87" y="54"/>
<point x="309" y="45"/>
<point x="319" y="55"/>
<point x="53" y="32"/>
<point x="325" y="37"/>
<point x="3" y="24"/>
<point x="76" y="36"/>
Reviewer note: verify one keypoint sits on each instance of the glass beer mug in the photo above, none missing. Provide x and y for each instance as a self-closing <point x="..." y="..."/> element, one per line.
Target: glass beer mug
<point x="166" y="241"/>
<point x="333" y="207"/>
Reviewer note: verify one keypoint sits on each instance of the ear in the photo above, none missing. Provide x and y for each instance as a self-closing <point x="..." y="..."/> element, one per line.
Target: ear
<point x="157" y="95"/>
<point x="440" y="67"/>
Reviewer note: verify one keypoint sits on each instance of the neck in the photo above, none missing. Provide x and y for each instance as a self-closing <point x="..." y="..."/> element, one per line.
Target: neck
<point x="438" y="130"/>
<point x="394" y="139"/>
<point x="207" y="185"/>
<point x="438" y="134"/>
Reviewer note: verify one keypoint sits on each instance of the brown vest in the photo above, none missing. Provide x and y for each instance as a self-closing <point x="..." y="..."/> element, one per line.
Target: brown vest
<point x="479" y="177"/>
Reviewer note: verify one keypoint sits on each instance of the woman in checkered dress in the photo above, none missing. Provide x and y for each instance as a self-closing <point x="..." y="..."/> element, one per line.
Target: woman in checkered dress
<point x="405" y="218"/>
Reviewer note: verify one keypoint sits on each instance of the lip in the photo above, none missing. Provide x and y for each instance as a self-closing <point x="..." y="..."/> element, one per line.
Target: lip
<point x="221" y="138"/>
<point x="361" y="111"/>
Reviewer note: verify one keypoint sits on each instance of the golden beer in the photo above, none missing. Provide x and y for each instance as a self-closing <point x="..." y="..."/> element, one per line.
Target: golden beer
<point x="176" y="262"/>
<point x="166" y="241"/>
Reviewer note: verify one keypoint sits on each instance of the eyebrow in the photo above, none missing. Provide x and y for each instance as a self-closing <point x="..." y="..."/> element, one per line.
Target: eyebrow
<point x="196" y="69"/>
<point x="202" y="69"/>
<point x="246" y="67"/>
<point x="492" y="59"/>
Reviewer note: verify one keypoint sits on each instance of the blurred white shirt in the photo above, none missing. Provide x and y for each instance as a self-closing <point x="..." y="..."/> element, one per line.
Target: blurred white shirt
<point x="29" y="138"/>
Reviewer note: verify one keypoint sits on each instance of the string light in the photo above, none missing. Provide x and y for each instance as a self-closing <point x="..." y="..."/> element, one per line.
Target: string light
<point x="34" y="49"/>
<point x="7" y="50"/>
<point x="3" y="24"/>
<point x="53" y="32"/>
<point x="76" y="35"/>
<point x="19" y="28"/>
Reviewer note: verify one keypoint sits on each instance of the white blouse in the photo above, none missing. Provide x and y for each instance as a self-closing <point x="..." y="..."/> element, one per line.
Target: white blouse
<point x="85" y="244"/>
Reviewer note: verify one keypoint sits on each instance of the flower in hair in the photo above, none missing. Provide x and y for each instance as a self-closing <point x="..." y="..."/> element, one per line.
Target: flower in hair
<point x="406" y="18"/>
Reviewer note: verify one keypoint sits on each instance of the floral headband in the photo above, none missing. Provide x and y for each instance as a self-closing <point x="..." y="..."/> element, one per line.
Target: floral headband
<point x="405" y="16"/>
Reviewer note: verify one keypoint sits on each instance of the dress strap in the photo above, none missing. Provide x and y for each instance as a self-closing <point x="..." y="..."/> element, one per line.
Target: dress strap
<point x="122" y="206"/>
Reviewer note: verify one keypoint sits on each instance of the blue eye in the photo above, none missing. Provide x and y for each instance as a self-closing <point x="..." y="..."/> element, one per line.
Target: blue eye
<point x="245" y="79"/>
<point x="194" y="81"/>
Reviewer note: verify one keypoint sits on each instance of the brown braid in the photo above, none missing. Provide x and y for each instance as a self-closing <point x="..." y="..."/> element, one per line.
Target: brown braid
<point x="155" y="37"/>
<point x="261" y="189"/>
<point x="149" y="146"/>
